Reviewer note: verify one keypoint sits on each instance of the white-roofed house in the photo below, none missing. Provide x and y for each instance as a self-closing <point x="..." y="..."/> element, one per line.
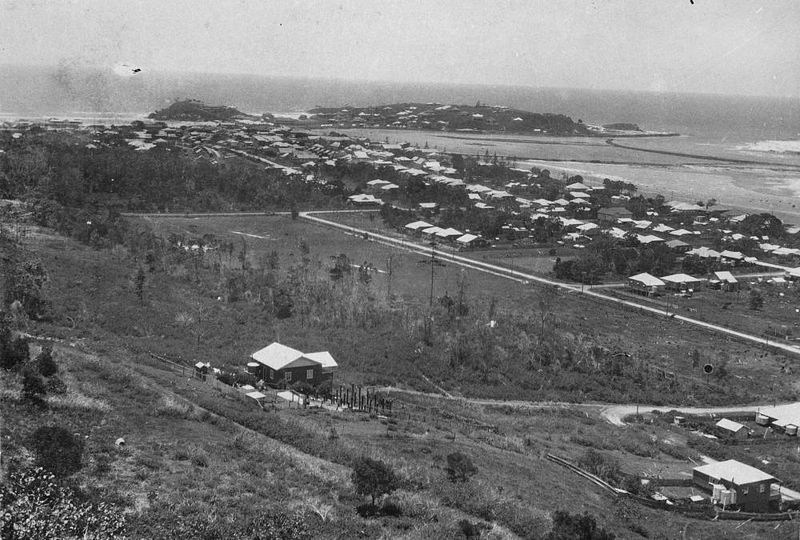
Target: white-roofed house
<point x="645" y="284"/>
<point x="469" y="240"/>
<point x="282" y="366"/>
<point x="681" y="282"/>
<point x="737" y="485"/>
<point x="418" y="225"/>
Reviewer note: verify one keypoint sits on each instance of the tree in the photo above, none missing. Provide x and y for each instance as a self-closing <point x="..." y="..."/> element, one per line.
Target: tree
<point x="57" y="450"/>
<point x="460" y="467"/>
<point x="139" y="284"/>
<point x="373" y="477"/>
<point x="756" y="300"/>
<point x="341" y="266"/>
<point x="13" y="350"/>
<point x="25" y="283"/>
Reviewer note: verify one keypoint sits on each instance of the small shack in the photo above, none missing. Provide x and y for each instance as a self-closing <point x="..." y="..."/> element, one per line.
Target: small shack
<point x="201" y="370"/>
<point x="725" y="281"/>
<point x="732" y="430"/>
<point x="645" y="284"/>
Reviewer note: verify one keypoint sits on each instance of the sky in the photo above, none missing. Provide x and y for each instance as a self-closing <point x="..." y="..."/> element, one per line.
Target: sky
<point x="740" y="47"/>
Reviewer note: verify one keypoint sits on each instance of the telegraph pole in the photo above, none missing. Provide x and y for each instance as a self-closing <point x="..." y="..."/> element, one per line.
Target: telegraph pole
<point x="433" y="262"/>
<point x="389" y="280"/>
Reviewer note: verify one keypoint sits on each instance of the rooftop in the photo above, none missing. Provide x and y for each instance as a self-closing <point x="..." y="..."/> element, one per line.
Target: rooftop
<point x="734" y="472"/>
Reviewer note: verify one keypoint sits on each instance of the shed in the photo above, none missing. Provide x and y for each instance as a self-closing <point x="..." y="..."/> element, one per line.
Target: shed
<point x="726" y="280"/>
<point x="201" y="370"/>
<point x="733" y="430"/>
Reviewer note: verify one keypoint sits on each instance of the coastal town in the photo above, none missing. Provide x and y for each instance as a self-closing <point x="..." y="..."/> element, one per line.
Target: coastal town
<point x="731" y="272"/>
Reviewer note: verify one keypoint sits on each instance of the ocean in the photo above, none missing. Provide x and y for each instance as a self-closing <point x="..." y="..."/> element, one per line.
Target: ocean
<point x="78" y="91"/>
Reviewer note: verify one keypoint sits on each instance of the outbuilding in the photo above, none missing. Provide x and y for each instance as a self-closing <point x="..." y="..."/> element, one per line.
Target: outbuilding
<point x="727" y="282"/>
<point x="732" y="430"/>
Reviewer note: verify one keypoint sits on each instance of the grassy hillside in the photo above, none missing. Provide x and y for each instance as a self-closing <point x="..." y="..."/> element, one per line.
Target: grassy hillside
<point x="200" y="460"/>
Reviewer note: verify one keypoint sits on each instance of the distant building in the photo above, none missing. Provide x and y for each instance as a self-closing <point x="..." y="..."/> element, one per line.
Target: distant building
<point x="613" y="214"/>
<point x="645" y="284"/>
<point x="726" y="281"/>
<point x="735" y="485"/>
<point x="682" y="282"/>
<point x="679" y="246"/>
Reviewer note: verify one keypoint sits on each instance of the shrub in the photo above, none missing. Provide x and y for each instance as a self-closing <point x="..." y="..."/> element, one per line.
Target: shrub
<point x="373" y="477"/>
<point x="54" y="385"/>
<point x="13" y="350"/>
<point x="567" y="526"/>
<point x="604" y="466"/>
<point x="470" y="530"/>
<point x="45" y="363"/>
<point x="57" y="450"/>
<point x="34" y="506"/>
<point x="32" y="386"/>
<point x="460" y="467"/>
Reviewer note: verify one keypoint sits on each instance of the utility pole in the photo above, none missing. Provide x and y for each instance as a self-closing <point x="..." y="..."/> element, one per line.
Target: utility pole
<point x="433" y="262"/>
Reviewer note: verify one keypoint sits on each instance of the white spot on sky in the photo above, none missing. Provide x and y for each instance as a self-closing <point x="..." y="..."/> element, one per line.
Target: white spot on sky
<point x="126" y="69"/>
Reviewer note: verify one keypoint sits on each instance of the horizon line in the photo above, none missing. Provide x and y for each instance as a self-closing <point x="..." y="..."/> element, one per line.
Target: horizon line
<point x="329" y="79"/>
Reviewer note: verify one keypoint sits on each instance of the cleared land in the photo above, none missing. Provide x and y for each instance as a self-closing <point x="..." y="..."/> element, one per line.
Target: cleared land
<point x="660" y="342"/>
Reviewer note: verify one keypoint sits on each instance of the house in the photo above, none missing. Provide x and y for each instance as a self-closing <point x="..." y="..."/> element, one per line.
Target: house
<point x="645" y="284"/>
<point x="681" y="282"/>
<point x="613" y="214"/>
<point x="734" y="484"/>
<point x="678" y="246"/>
<point x="732" y="430"/>
<point x="282" y="366"/>
<point x="732" y="256"/>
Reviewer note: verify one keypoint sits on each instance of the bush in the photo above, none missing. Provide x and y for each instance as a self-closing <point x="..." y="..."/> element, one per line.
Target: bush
<point x="470" y="530"/>
<point x="34" y="506"/>
<point x="54" y="385"/>
<point x="57" y="450"/>
<point x="460" y="467"/>
<point x="373" y="477"/>
<point x="33" y="387"/>
<point x="13" y="350"/>
<point x="567" y="526"/>
<point x="45" y="363"/>
<point x="606" y="467"/>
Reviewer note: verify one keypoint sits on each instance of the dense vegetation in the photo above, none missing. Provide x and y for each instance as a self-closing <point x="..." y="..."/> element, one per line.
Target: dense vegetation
<point x="196" y="111"/>
<point x="452" y="118"/>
